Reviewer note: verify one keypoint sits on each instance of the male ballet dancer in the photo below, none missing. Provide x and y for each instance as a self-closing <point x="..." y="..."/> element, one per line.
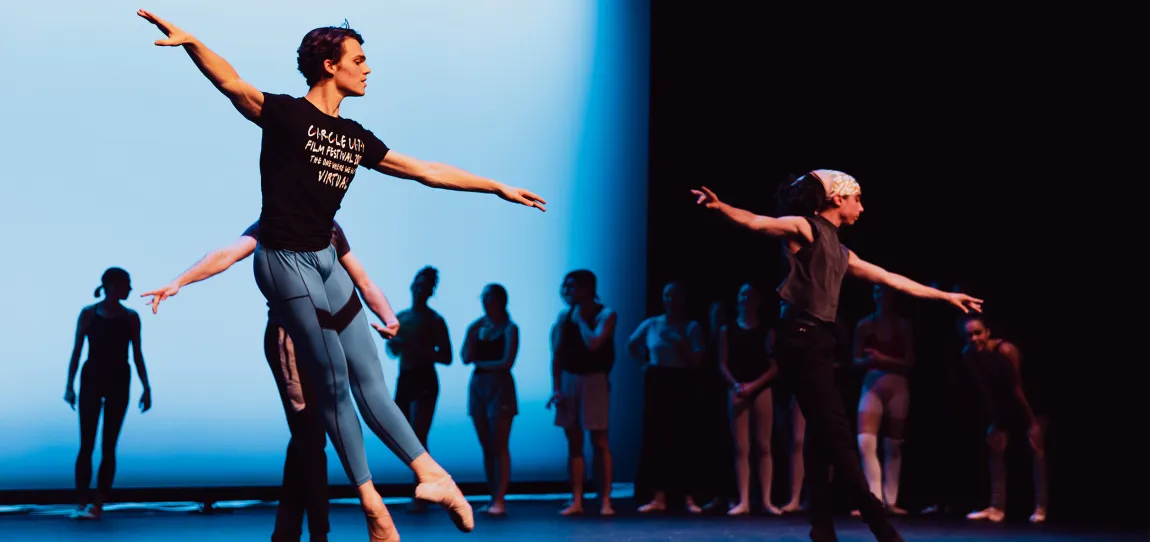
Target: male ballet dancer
<point x="819" y="203"/>
<point x="308" y="157"/>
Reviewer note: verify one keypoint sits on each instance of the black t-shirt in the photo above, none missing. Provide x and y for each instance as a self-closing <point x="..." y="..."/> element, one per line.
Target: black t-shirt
<point x="307" y="161"/>
<point x="336" y="238"/>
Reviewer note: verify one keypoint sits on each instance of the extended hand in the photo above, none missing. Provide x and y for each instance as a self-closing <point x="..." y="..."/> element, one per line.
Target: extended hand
<point x="70" y="397"/>
<point x="707" y="198"/>
<point x="964" y="302"/>
<point x="174" y="34"/>
<point x="520" y="196"/>
<point x="161" y="294"/>
<point x="387" y="332"/>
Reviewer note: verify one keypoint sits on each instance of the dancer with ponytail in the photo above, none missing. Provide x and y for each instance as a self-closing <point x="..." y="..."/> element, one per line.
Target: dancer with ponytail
<point x="813" y="208"/>
<point x="105" y="383"/>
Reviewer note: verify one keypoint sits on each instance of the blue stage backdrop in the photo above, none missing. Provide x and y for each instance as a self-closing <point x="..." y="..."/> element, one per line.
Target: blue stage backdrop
<point x="120" y="153"/>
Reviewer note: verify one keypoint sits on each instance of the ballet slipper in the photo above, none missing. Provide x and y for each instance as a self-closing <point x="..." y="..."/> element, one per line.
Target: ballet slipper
<point x="380" y="527"/>
<point x="445" y="493"/>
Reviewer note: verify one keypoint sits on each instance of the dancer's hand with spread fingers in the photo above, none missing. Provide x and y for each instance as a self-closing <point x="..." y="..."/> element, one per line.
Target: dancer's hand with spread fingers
<point x="175" y="36"/>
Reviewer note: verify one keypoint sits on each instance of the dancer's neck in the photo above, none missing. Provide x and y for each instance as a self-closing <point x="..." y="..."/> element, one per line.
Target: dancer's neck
<point x="326" y="97"/>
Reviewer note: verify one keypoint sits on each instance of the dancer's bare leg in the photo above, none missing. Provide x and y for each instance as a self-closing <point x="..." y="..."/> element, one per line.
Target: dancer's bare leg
<point x="576" y="469"/>
<point x="799" y="427"/>
<point x="605" y="465"/>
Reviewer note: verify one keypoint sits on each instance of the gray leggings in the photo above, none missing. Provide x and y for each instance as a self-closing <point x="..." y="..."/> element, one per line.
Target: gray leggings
<point x="316" y="302"/>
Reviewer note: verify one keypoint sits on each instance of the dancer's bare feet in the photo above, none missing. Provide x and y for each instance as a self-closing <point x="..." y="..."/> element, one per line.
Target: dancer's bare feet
<point x="740" y="509"/>
<point x="896" y="511"/>
<point x="992" y="514"/>
<point x="791" y="507"/>
<point x="575" y="508"/>
<point x="445" y="493"/>
<point x="605" y="509"/>
<point x="494" y="509"/>
<point x="1039" y="515"/>
<point x="380" y="527"/>
<point x="773" y="510"/>
<point x="653" y="506"/>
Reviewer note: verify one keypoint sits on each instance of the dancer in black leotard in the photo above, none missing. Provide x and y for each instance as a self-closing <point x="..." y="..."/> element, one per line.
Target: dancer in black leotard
<point x="993" y="369"/>
<point x="491" y="346"/>
<point x="105" y="382"/>
<point x="822" y="201"/>
<point x="750" y="371"/>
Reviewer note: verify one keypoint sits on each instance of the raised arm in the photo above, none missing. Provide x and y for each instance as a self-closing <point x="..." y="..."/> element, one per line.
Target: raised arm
<point x="138" y="360"/>
<point x="873" y="273"/>
<point x="596" y="337"/>
<point x="447" y="177"/>
<point x="212" y="264"/>
<point x="82" y="323"/>
<point x="247" y="99"/>
<point x="372" y="295"/>
<point x="791" y="227"/>
<point x="510" y="349"/>
<point x="637" y="343"/>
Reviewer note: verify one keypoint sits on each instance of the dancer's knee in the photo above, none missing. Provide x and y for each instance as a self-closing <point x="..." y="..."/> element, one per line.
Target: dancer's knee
<point x="574" y="443"/>
<point x="868" y="444"/>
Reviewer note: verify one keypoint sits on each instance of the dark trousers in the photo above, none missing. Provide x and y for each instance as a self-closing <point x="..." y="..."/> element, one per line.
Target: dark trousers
<point x="669" y="457"/>
<point x="304" y="486"/>
<point x="806" y="360"/>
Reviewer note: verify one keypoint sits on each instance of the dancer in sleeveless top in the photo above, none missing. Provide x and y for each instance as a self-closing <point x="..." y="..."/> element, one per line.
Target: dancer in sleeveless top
<point x="750" y="372"/>
<point x="421" y="343"/>
<point x="818" y="203"/>
<point x="305" y="483"/>
<point x="582" y="355"/>
<point x="491" y="346"/>
<point x="993" y="368"/>
<point x="309" y="156"/>
<point x="105" y="382"/>
<point x="671" y="348"/>
<point x="884" y="348"/>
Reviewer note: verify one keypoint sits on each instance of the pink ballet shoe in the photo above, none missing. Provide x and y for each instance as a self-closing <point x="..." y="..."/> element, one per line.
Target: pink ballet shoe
<point x="445" y="493"/>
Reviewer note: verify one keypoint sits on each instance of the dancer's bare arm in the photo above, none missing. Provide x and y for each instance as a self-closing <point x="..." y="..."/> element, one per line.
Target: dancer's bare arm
<point x="245" y="97"/>
<point x="214" y="263"/>
<point x="372" y="295"/>
<point x="790" y="227"/>
<point x="510" y="350"/>
<point x="873" y="273"/>
<point x="448" y="177"/>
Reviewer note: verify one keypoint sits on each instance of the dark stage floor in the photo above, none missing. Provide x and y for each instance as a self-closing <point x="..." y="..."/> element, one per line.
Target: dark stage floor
<point x="527" y="521"/>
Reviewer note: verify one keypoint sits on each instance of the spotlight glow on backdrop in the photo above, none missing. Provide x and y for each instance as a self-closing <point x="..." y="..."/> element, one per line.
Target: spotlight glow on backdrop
<point x="120" y="153"/>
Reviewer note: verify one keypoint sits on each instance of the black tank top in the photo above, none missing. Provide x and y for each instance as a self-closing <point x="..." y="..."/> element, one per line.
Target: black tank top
<point x="994" y="380"/>
<point x="489" y="350"/>
<point x="816" y="273"/>
<point x="573" y="354"/>
<point x="108" y="339"/>
<point x="747" y="357"/>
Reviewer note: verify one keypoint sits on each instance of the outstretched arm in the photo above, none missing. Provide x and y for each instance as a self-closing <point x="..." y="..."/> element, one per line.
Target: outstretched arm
<point x="437" y="175"/>
<point x="873" y="273"/>
<point x="791" y="227"/>
<point x="246" y="98"/>
<point x="372" y="295"/>
<point x="214" y="263"/>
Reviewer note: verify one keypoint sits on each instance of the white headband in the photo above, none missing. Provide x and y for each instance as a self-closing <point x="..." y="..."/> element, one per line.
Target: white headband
<point x="837" y="183"/>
